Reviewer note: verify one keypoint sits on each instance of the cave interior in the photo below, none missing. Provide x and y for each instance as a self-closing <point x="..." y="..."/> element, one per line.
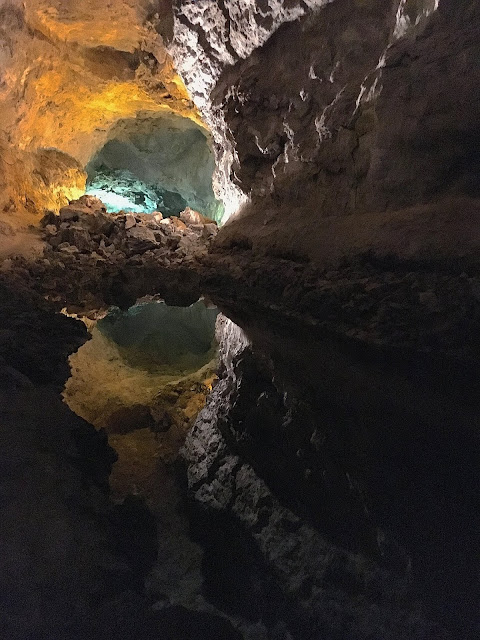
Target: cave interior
<point x="155" y="164"/>
<point x="239" y="320"/>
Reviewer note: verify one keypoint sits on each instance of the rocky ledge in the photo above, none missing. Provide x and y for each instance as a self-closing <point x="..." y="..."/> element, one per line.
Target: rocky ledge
<point x="93" y="259"/>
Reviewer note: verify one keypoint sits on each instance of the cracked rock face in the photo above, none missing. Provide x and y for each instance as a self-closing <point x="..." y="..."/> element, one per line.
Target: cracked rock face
<point x="365" y="107"/>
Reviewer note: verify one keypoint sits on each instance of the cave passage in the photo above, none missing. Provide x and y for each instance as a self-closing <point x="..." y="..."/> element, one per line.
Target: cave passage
<point x="149" y="164"/>
<point x="302" y="463"/>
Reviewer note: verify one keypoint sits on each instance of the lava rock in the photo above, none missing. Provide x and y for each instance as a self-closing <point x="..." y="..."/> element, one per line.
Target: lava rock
<point x="140" y="238"/>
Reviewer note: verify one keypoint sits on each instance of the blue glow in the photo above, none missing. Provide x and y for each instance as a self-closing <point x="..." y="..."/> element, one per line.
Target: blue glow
<point x="115" y="202"/>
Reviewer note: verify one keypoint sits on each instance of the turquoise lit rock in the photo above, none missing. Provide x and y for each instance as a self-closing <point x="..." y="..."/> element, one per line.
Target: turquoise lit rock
<point x="155" y="164"/>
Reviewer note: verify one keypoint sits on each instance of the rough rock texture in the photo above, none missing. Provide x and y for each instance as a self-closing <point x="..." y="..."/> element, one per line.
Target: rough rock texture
<point x="421" y="307"/>
<point x="372" y="113"/>
<point x="92" y="259"/>
<point x="69" y="72"/>
<point x="210" y="37"/>
<point x="349" y="130"/>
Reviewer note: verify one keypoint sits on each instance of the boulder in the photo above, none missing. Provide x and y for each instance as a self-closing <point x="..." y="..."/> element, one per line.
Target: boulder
<point x="209" y="230"/>
<point x="90" y="202"/>
<point x="49" y="218"/>
<point x="130" y="221"/>
<point x="51" y="229"/>
<point x="84" y="205"/>
<point x="140" y="238"/>
<point x="189" y="216"/>
<point x="78" y="236"/>
<point x="178" y="224"/>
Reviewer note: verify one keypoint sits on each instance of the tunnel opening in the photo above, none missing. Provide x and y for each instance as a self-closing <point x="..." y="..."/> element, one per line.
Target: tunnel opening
<point x="155" y="163"/>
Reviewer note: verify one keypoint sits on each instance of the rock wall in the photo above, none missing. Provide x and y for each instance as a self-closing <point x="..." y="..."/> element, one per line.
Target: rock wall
<point x="366" y="107"/>
<point x="69" y="73"/>
<point x="346" y="138"/>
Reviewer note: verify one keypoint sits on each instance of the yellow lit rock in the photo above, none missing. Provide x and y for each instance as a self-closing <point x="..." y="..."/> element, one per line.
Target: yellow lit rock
<point x="70" y="71"/>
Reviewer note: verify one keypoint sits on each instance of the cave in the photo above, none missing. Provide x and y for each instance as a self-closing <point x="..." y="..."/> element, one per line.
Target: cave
<point x="155" y="164"/>
<point x="239" y="320"/>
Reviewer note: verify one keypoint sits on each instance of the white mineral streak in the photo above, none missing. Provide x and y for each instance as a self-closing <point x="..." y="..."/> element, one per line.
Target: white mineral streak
<point x="404" y="21"/>
<point x="372" y="87"/>
<point x="250" y="25"/>
<point x="214" y="43"/>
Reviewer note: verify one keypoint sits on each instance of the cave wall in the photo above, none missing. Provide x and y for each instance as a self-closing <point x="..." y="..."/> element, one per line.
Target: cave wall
<point x="69" y="72"/>
<point x="320" y="129"/>
<point x="346" y="136"/>
<point x="326" y="110"/>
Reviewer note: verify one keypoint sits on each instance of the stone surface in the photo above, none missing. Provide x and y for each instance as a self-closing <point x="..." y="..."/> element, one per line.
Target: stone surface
<point x="352" y="122"/>
<point x="69" y="74"/>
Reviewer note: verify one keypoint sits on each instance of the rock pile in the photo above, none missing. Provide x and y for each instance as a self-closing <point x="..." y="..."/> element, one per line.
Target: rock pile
<point x="84" y="226"/>
<point x="94" y="259"/>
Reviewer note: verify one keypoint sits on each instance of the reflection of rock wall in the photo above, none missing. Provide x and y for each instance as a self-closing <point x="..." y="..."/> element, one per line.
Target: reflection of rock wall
<point x="60" y="533"/>
<point x="341" y="594"/>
